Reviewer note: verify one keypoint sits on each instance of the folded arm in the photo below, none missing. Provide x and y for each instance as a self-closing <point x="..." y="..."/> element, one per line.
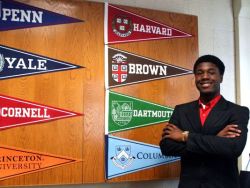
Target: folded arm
<point x="170" y="145"/>
<point x="229" y="142"/>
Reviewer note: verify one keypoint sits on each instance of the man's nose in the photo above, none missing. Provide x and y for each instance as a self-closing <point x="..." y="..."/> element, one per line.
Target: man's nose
<point x="205" y="75"/>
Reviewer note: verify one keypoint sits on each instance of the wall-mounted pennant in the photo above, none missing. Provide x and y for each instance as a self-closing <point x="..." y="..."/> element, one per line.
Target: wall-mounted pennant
<point x="17" y="63"/>
<point x="125" y="156"/>
<point x="16" y="162"/>
<point x="16" y="112"/>
<point x="124" y="68"/>
<point x="16" y="15"/>
<point x="125" y="112"/>
<point x="124" y="26"/>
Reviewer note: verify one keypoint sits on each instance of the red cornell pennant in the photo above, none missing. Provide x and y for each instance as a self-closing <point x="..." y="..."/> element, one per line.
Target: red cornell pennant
<point x="15" y="112"/>
<point x="124" y="26"/>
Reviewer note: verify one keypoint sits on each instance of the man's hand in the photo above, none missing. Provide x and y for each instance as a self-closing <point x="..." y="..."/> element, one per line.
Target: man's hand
<point x="230" y="131"/>
<point x="172" y="132"/>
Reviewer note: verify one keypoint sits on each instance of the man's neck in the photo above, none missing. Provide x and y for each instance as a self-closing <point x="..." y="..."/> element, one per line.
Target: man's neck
<point x="207" y="97"/>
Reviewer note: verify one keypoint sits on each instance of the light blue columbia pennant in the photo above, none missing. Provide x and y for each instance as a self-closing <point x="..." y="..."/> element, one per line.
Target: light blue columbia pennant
<point x="125" y="156"/>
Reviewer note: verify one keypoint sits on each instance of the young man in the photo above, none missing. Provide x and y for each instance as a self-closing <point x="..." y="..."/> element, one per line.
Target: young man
<point x="209" y="134"/>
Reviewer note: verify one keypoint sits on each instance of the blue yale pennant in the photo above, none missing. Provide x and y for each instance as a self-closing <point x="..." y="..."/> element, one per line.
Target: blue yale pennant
<point x="16" y="63"/>
<point x="16" y="15"/>
<point x="126" y="156"/>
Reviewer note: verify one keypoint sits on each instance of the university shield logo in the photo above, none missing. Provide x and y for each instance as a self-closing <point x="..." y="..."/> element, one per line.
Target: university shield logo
<point x="123" y="158"/>
<point x="1" y="62"/>
<point x="119" y="68"/>
<point x="122" y="112"/>
<point x="122" y="26"/>
<point x="17" y="15"/>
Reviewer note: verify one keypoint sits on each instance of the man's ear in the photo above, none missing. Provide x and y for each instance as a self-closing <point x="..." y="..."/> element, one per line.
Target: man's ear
<point x="221" y="78"/>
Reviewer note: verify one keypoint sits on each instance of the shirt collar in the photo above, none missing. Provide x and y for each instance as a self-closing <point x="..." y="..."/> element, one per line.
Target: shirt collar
<point x="211" y="103"/>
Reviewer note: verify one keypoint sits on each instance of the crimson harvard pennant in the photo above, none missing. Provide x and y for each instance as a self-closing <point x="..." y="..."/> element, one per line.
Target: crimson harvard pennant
<point x="124" y="26"/>
<point x="124" y="68"/>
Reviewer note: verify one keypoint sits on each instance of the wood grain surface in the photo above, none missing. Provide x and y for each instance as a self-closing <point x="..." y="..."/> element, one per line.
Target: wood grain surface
<point x="169" y="92"/>
<point x="83" y="91"/>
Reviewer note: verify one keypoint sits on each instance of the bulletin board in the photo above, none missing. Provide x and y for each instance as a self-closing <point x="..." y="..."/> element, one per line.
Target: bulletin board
<point x="56" y="86"/>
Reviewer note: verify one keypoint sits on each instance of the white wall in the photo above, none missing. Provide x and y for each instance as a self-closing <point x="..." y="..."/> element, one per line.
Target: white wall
<point x="215" y="25"/>
<point x="216" y="36"/>
<point x="242" y="28"/>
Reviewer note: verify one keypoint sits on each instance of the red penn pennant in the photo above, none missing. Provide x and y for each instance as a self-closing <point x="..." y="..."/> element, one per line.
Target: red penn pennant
<point x="124" y="26"/>
<point x="16" y="112"/>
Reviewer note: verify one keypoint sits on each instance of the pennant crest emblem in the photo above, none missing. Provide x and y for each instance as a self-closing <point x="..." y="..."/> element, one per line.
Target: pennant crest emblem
<point x="122" y="26"/>
<point x="122" y="112"/>
<point x="123" y="158"/>
<point x="119" y="68"/>
<point x="1" y="62"/>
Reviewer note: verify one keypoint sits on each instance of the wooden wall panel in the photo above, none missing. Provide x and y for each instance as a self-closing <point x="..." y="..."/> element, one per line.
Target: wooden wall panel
<point x="83" y="91"/>
<point x="64" y="90"/>
<point x="169" y="92"/>
<point x="94" y="95"/>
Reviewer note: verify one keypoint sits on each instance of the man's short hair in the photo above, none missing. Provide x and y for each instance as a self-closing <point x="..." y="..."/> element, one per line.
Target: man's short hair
<point x="212" y="59"/>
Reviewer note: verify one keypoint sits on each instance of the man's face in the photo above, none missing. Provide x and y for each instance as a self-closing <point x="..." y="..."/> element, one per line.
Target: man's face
<point x="208" y="78"/>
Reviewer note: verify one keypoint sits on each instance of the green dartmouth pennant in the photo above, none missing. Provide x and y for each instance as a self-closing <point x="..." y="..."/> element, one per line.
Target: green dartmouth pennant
<point x="125" y="112"/>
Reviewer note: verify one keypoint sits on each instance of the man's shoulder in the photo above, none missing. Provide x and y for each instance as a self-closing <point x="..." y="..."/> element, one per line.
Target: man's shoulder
<point x="236" y="106"/>
<point x="190" y="104"/>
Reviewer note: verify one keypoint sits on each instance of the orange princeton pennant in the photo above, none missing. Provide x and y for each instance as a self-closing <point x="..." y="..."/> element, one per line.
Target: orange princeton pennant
<point x="16" y="162"/>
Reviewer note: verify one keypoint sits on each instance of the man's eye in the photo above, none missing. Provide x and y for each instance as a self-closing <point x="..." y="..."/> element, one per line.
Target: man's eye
<point x="211" y="72"/>
<point x="199" y="73"/>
